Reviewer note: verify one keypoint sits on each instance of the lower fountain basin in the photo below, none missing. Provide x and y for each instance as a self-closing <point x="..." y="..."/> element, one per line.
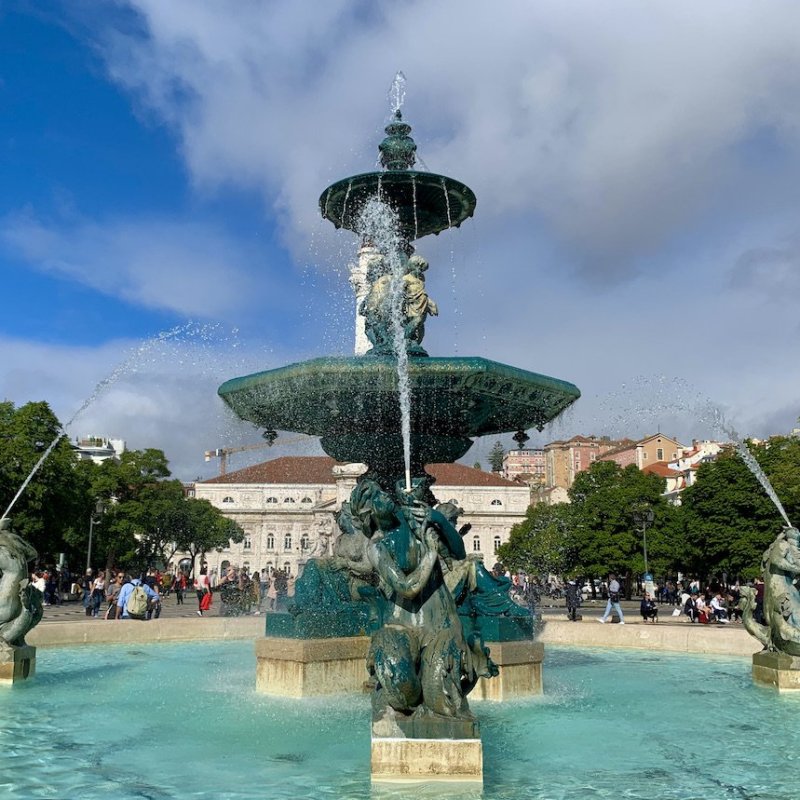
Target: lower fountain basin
<point x="234" y="743"/>
<point x="352" y="403"/>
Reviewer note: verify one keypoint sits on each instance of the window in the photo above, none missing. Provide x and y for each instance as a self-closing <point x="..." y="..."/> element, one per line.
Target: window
<point x="476" y="544"/>
<point x="496" y="502"/>
<point x="270" y="541"/>
<point x="288" y="499"/>
<point x="287" y="567"/>
<point x="223" y="567"/>
<point x="660" y="454"/>
<point x="270" y="568"/>
<point x="287" y="541"/>
<point x="247" y="543"/>
<point x="496" y="543"/>
<point x="227" y="499"/>
<point x="272" y="499"/>
<point x="306" y="500"/>
<point x="304" y="542"/>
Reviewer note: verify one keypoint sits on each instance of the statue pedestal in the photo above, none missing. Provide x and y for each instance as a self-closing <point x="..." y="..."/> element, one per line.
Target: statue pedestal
<point x="409" y="760"/>
<point x="17" y="664"/>
<point x="520" y="671"/>
<point x="778" y="670"/>
<point x="311" y="667"/>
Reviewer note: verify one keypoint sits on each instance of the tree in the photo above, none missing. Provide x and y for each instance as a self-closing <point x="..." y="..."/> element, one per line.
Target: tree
<point x="206" y="530"/>
<point x="727" y="516"/>
<point x="607" y="536"/>
<point x="56" y="502"/>
<point x="496" y="457"/>
<point x="543" y="543"/>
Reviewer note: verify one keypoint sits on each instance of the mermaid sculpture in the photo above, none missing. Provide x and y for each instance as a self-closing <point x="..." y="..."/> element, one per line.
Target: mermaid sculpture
<point x="20" y="602"/>
<point x="780" y="568"/>
<point x="422" y="663"/>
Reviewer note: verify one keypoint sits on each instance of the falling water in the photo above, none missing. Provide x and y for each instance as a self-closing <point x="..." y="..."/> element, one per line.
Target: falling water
<point x="755" y="468"/>
<point x="379" y="224"/>
<point x="453" y="282"/>
<point x="118" y="372"/>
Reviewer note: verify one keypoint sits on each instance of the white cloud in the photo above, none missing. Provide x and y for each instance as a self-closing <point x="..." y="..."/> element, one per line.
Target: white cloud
<point x="186" y="267"/>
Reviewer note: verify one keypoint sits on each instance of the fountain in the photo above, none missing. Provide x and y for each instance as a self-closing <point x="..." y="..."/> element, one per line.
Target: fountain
<point x="401" y="572"/>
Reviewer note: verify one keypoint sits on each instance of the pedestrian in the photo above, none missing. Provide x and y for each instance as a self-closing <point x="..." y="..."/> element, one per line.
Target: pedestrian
<point x="98" y="593"/>
<point x="112" y="594"/>
<point x="181" y="585"/>
<point x="572" y="593"/>
<point x="202" y="586"/>
<point x="86" y="591"/>
<point x="126" y="591"/>
<point x="614" y="596"/>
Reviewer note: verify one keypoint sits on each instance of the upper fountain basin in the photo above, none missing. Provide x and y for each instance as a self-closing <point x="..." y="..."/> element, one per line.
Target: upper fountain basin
<point x="462" y="397"/>
<point x="425" y="202"/>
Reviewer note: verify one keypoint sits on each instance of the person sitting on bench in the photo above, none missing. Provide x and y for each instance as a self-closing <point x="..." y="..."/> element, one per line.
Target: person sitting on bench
<point x="648" y="609"/>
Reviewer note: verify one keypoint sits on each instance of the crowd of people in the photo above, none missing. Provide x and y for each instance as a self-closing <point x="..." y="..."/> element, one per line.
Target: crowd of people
<point x="106" y="593"/>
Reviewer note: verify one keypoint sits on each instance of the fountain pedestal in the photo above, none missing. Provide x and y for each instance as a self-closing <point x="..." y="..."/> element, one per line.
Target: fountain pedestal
<point x="520" y="671"/>
<point x="17" y="664"/>
<point x="399" y="760"/>
<point x="311" y="667"/>
<point x="778" y="670"/>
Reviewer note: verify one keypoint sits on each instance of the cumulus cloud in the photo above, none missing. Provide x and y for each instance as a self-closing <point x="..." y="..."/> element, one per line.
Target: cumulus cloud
<point x="620" y="125"/>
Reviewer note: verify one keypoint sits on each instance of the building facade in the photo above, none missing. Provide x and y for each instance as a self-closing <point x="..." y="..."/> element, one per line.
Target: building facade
<point x="98" y="448"/>
<point x="528" y="465"/>
<point x="565" y="459"/>
<point x="286" y="509"/>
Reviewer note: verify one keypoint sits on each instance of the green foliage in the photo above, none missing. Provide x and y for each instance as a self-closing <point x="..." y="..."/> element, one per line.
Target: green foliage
<point x="727" y="516"/>
<point x="496" y="457"/>
<point x="608" y="537"/>
<point x="543" y="543"/>
<point x="56" y="501"/>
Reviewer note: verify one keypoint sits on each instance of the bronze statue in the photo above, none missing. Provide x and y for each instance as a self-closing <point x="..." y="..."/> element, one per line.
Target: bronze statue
<point x="421" y="662"/>
<point x="20" y="602"/>
<point x="780" y="567"/>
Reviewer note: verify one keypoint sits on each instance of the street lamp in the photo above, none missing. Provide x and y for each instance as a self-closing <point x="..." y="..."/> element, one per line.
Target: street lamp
<point x="643" y="515"/>
<point x="94" y="519"/>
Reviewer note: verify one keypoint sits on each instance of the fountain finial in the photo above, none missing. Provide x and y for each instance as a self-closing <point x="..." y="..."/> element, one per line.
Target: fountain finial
<point x="398" y="148"/>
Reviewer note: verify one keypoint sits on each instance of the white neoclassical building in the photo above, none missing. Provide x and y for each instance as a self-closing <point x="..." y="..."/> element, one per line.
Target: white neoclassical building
<point x="286" y="508"/>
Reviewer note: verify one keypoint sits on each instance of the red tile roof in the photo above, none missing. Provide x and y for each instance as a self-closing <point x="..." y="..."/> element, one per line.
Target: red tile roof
<point x="302" y="470"/>
<point x="662" y="470"/>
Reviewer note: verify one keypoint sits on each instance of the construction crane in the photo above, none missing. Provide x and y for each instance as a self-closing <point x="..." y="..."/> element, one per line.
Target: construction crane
<point x="222" y="453"/>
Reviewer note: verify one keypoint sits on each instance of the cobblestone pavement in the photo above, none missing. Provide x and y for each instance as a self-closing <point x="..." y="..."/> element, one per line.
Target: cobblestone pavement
<point x="73" y="610"/>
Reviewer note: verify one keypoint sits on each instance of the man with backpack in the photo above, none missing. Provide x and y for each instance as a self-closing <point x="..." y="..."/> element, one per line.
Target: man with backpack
<point x="134" y="599"/>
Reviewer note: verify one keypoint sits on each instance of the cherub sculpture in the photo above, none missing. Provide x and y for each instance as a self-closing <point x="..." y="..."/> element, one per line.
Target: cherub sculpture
<point x="20" y="602"/>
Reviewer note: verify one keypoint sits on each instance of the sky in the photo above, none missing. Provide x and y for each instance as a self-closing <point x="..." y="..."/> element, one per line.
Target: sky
<point x="636" y="232"/>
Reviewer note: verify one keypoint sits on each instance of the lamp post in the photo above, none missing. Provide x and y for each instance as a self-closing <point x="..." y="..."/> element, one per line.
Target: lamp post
<point x="93" y="520"/>
<point x="643" y="515"/>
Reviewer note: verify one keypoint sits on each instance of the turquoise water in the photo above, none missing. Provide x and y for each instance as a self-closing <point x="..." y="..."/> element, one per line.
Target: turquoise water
<point x="183" y="721"/>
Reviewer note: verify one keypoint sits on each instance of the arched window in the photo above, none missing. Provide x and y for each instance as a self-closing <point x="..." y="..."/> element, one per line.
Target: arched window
<point x="272" y="499"/>
<point x="246" y="566"/>
<point x="288" y="499"/>
<point x="287" y="541"/>
<point x="304" y="542"/>
<point x="476" y="544"/>
<point x="496" y="502"/>
<point x="270" y="541"/>
<point x="287" y="567"/>
<point x="227" y="499"/>
<point x="223" y="567"/>
<point x="306" y="500"/>
<point x="247" y="543"/>
<point x="270" y="568"/>
<point x="496" y="543"/>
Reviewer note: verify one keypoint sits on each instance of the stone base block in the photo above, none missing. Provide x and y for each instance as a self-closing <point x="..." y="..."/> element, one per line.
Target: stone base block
<point x="17" y="664"/>
<point x="407" y="760"/>
<point x="311" y="667"/>
<point x="520" y="671"/>
<point x="778" y="670"/>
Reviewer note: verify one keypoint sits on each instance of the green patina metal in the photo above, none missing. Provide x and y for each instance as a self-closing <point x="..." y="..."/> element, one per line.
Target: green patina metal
<point x="400" y="571"/>
<point x="425" y="202"/>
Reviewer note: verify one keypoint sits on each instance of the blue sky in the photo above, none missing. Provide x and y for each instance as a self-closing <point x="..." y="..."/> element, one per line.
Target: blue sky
<point x="636" y="230"/>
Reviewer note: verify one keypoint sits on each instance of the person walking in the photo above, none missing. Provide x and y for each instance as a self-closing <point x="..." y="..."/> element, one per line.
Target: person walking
<point x="614" y="592"/>
<point x="202" y="586"/>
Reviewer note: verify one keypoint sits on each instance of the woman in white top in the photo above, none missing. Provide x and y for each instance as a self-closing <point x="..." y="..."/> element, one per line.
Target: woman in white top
<point x="202" y="586"/>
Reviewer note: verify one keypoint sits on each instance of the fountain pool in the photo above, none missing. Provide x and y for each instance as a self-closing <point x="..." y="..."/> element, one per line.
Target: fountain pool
<point x="183" y="721"/>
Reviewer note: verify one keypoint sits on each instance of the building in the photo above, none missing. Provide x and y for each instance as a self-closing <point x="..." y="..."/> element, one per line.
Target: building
<point x="654" y="449"/>
<point x="286" y="508"/>
<point x="98" y="448"/>
<point x="528" y="465"/>
<point x="565" y="459"/>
